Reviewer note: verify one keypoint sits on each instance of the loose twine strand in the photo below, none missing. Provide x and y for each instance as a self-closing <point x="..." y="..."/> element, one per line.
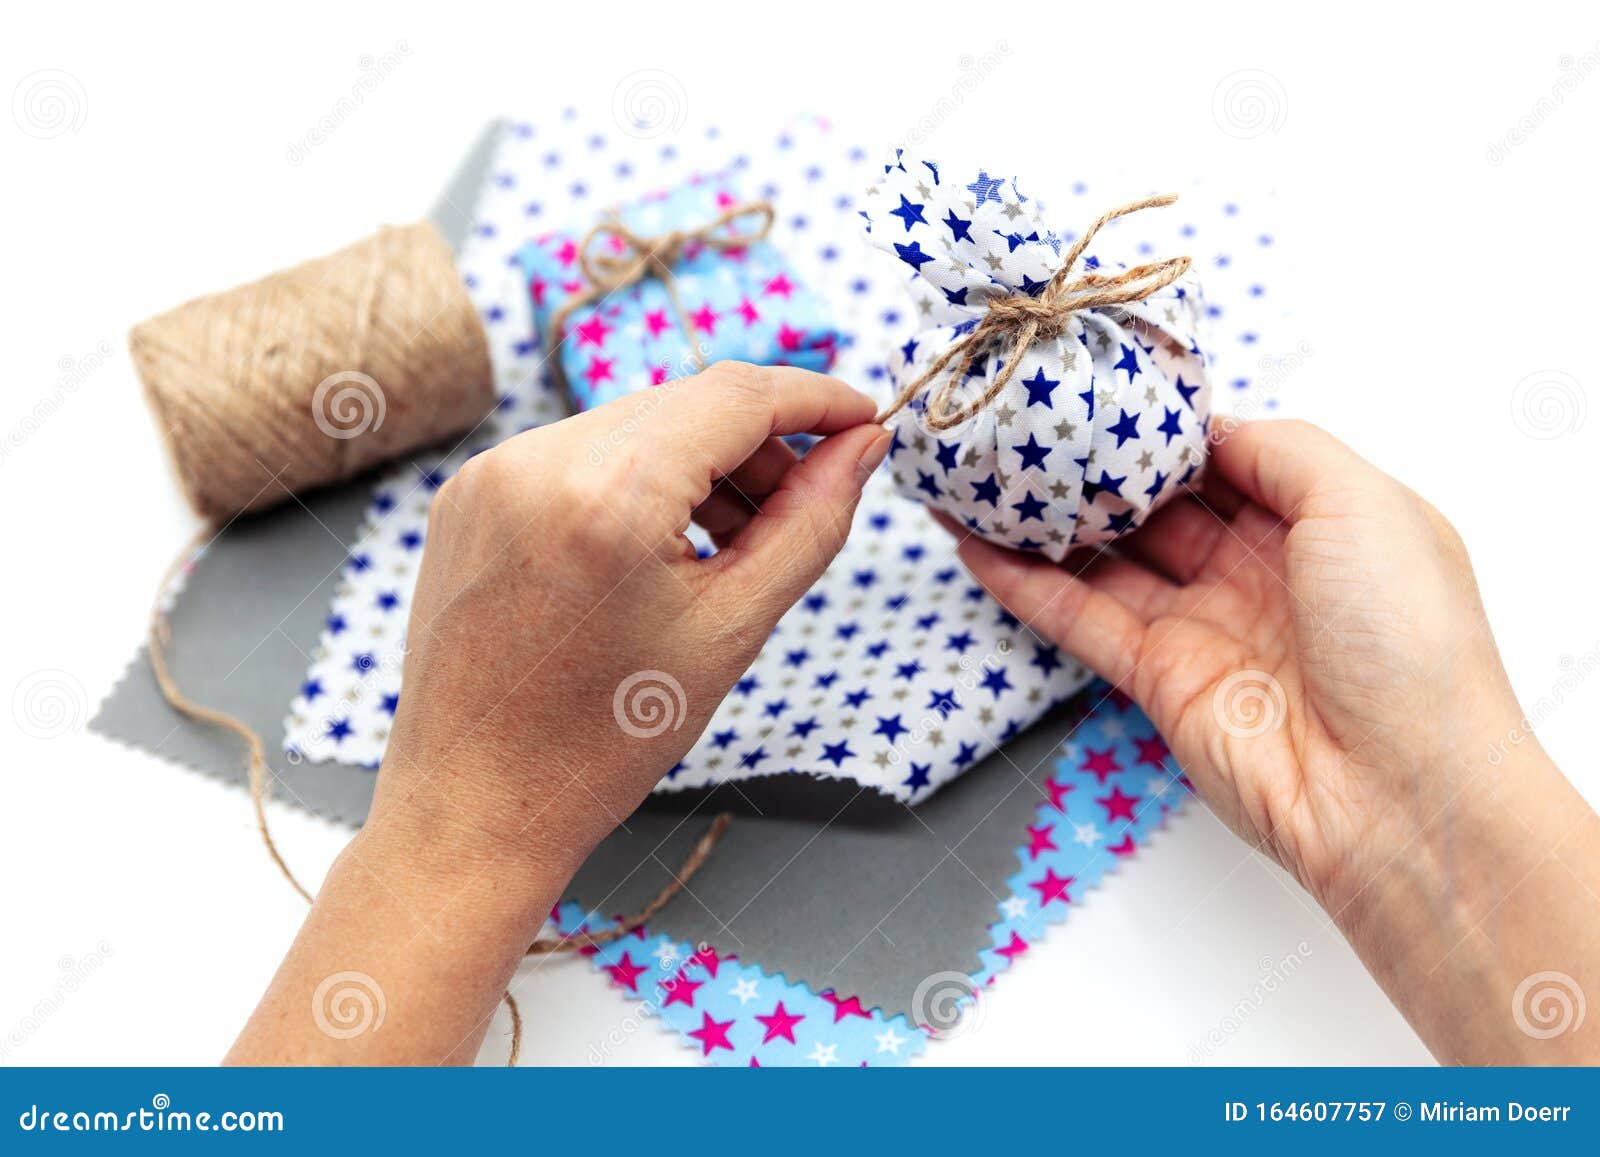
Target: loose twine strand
<point x="633" y="258"/>
<point x="1023" y="320"/>
<point x="160" y="636"/>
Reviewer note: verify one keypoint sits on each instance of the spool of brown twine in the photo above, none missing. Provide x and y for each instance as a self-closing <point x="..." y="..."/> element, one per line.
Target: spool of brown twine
<point x="305" y="378"/>
<point x="317" y="372"/>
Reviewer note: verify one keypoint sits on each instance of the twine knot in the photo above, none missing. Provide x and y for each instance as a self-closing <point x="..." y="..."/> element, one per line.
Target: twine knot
<point x="1023" y="319"/>
<point x="629" y="258"/>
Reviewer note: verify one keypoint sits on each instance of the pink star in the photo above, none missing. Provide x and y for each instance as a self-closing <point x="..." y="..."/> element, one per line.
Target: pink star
<point x="600" y="370"/>
<point x="539" y="286"/>
<point x="1052" y="887"/>
<point x="844" y="1008"/>
<point x="1100" y="764"/>
<point x="780" y="1024"/>
<point x="593" y="332"/>
<point x="568" y="253"/>
<point x="712" y="1034"/>
<point x="790" y="338"/>
<point x="706" y="957"/>
<point x="1117" y="805"/>
<point x="1015" y="949"/>
<point x="680" y="990"/>
<point x="656" y="322"/>
<point x="1153" y="751"/>
<point x="658" y="374"/>
<point x="1040" y="841"/>
<point x="726" y="200"/>
<point x="705" y="319"/>
<point x="626" y="972"/>
<point x="1058" y="792"/>
<point x="748" y="312"/>
<point x="1124" y="848"/>
<point x="780" y="285"/>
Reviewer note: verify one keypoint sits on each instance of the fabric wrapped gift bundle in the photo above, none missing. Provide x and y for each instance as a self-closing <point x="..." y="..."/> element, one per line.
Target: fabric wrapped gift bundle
<point x="1052" y="400"/>
<point x="666" y="285"/>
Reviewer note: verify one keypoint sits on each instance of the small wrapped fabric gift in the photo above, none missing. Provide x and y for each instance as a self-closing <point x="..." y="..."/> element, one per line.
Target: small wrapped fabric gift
<point x="665" y="286"/>
<point x="1054" y="401"/>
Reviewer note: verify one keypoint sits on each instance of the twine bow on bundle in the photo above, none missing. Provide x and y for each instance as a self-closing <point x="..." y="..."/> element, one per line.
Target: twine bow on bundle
<point x="632" y="258"/>
<point x="1023" y="319"/>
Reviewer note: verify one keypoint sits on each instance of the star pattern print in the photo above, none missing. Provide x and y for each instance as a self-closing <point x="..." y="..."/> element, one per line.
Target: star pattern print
<point x="731" y="1013"/>
<point x="1113" y="784"/>
<point x="1094" y="429"/>
<point x="896" y="670"/>
<point x="745" y="304"/>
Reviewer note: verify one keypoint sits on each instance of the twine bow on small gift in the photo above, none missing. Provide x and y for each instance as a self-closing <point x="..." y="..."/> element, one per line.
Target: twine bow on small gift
<point x="1025" y="319"/>
<point x="632" y="258"/>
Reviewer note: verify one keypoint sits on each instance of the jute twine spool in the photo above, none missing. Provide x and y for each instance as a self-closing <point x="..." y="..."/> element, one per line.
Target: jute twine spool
<point x="306" y="378"/>
<point x="313" y="374"/>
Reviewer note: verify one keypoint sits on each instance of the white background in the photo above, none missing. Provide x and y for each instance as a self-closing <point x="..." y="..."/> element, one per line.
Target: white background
<point x="1432" y="282"/>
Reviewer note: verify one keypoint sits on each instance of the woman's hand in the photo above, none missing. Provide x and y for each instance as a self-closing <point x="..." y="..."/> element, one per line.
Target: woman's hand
<point x="565" y="649"/>
<point x="1309" y="639"/>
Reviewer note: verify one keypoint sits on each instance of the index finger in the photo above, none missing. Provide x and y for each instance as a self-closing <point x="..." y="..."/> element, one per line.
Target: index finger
<point x="725" y="413"/>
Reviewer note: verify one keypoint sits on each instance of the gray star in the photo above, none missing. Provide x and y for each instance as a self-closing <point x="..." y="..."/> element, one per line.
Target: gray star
<point x="1003" y="415"/>
<point x="1065" y="430"/>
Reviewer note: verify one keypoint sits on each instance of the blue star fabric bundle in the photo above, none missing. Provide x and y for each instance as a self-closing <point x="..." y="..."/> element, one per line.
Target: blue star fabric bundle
<point x="665" y="286"/>
<point x="1053" y="400"/>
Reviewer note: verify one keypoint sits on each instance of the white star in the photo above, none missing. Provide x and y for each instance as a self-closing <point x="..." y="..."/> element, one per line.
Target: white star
<point x="1112" y="729"/>
<point x="1086" y="834"/>
<point x="1014" y="907"/>
<point x="666" y="953"/>
<point x="889" y="1041"/>
<point x="744" y="989"/>
<point x="823" y="1055"/>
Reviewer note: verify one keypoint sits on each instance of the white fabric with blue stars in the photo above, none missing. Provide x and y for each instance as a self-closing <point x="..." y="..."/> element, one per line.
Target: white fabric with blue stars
<point x="1094" y="429"/>
<point x="896" y="670"/>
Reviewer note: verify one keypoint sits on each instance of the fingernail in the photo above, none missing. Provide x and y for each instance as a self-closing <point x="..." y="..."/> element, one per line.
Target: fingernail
<point x="872" y="456"/>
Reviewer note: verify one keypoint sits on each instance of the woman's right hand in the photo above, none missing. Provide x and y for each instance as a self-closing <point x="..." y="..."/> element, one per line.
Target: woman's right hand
<point x="1308" y="637"/>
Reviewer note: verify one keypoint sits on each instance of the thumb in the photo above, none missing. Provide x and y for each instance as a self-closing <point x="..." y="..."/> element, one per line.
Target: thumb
<point x="799" y="529"/>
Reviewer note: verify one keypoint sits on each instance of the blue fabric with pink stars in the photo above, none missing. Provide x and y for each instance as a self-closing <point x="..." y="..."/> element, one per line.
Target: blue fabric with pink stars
<point x="745" y="303"/>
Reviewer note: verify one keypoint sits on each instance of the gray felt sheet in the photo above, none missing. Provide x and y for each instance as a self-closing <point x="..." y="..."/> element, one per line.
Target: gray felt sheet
<point x="831" y="885"/>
